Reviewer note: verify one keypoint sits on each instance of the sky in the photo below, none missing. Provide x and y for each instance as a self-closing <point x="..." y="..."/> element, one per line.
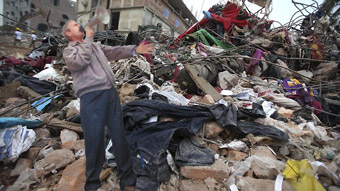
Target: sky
<point x="282" y="9"/>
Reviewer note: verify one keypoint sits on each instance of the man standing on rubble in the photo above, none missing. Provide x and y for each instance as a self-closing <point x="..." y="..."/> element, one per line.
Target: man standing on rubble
<point x="17" y="38"/>
<point x="94" y="84"/>
<point x="34" y="38"/>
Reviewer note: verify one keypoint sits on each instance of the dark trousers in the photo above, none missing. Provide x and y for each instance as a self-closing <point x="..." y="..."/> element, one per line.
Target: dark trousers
<point x="99" y="109"/>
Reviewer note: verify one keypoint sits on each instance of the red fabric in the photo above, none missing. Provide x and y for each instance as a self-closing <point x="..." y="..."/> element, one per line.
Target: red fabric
<point x="175" y="74"/>
<point x="192" y="29"/>
<point x="228" y="22"/>
<point x="228" y="18"/>
<point x="316" y="104"/>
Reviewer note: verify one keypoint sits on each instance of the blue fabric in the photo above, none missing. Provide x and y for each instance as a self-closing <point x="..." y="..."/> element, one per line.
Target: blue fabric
<point x="42" y="106"/>
<point x="6" y="122"/>
<point x="207" y="15"/>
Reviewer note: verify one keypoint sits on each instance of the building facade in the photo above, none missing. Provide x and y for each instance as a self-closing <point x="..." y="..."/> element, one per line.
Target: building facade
<point x="1" y="12"/>
<point x="43" y="15"/>
<point x="127" y="15"/>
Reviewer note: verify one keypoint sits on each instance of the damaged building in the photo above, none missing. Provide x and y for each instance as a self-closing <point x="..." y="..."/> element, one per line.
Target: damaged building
<point x="126" y="16"/>
<point x="43" y="15"/>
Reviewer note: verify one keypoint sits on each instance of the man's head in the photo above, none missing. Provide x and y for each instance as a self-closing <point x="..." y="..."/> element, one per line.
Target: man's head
<point x="73" y="31"/>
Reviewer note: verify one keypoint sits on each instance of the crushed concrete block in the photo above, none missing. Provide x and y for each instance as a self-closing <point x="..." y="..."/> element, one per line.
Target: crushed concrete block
<point x="21" y="165"/>
<point x="226" y="80"/>
<point x="192" y="185"/>
<point x="262" y="151"/>
<point x="27" y="93"/>
<point x="73" y="176"/>
<point x="266" y="168"/>
<point x="54" y="161"/>
<point x="42" y="133"/>
<point x="9" y="90"/>
<point x="212" y="129"/>
<point x="73" y="145"/>
<point x="236" y="155"/>
<point x="67" y="135"/>
<point x="252" y="184"/>
<point x="218" y="170"/>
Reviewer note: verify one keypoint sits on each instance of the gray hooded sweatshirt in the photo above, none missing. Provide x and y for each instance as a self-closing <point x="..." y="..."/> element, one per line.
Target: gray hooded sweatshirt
<point x="88" y="64"/>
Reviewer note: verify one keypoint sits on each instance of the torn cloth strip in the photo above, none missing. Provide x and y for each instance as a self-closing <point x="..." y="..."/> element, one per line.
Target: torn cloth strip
<point x="6" y="122"/>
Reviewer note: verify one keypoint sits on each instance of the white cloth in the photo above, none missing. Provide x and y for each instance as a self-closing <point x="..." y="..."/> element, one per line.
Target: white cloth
<point x="18" y="35"/>
<point x="34" y="37"/>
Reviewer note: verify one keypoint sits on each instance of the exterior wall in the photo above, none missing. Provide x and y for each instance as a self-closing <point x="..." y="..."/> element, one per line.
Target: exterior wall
<point x="136" y="12"/>
<point x="157" y="8"/>
<point x="60" y="12"/>
<point x="130" y="19"/>
<point x="2" y="12"/>
<point x="14" y="10"/>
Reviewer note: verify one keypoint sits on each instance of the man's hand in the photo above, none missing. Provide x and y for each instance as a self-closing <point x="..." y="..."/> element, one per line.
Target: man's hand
<point x="89" y="32"/>
<point x="145" y="48"/>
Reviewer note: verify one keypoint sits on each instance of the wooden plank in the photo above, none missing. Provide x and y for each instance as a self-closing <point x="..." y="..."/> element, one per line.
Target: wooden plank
<point x="202" y="83"/>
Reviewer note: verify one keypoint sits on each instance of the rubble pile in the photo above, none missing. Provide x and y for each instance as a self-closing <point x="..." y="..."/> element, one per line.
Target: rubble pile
<point x="231" y="104"/>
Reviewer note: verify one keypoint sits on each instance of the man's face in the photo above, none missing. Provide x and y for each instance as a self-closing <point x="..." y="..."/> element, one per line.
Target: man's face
<point x="74" y="31"/>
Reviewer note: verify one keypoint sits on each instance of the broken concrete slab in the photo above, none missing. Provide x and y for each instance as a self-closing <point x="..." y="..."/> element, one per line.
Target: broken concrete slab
<point x="54" y="161"/>
<point x="9" y="90"/>
<point x="236" y="155"/>
<point x="42" y="133"/>
<point x="73" y="177"/>
<point x="266" y="168"/>
<point x="21" y="165"/>
<point x="27" y="93"/>
<point x="226" y="80"/>
<point x="67" y="135"/>
<point x="74" y="145"/>
<point x="252" y="184"/>
<point x="262" y="151"/>
<point x="192" y="185"/>
<point x="212" y="129"/>
<point x="218" y="170"/>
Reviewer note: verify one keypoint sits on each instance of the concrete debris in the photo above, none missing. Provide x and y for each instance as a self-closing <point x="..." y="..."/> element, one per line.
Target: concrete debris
<point x="67" y="135"/>
<point x="252" y="184"/>
<point x="218" y="170"/>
